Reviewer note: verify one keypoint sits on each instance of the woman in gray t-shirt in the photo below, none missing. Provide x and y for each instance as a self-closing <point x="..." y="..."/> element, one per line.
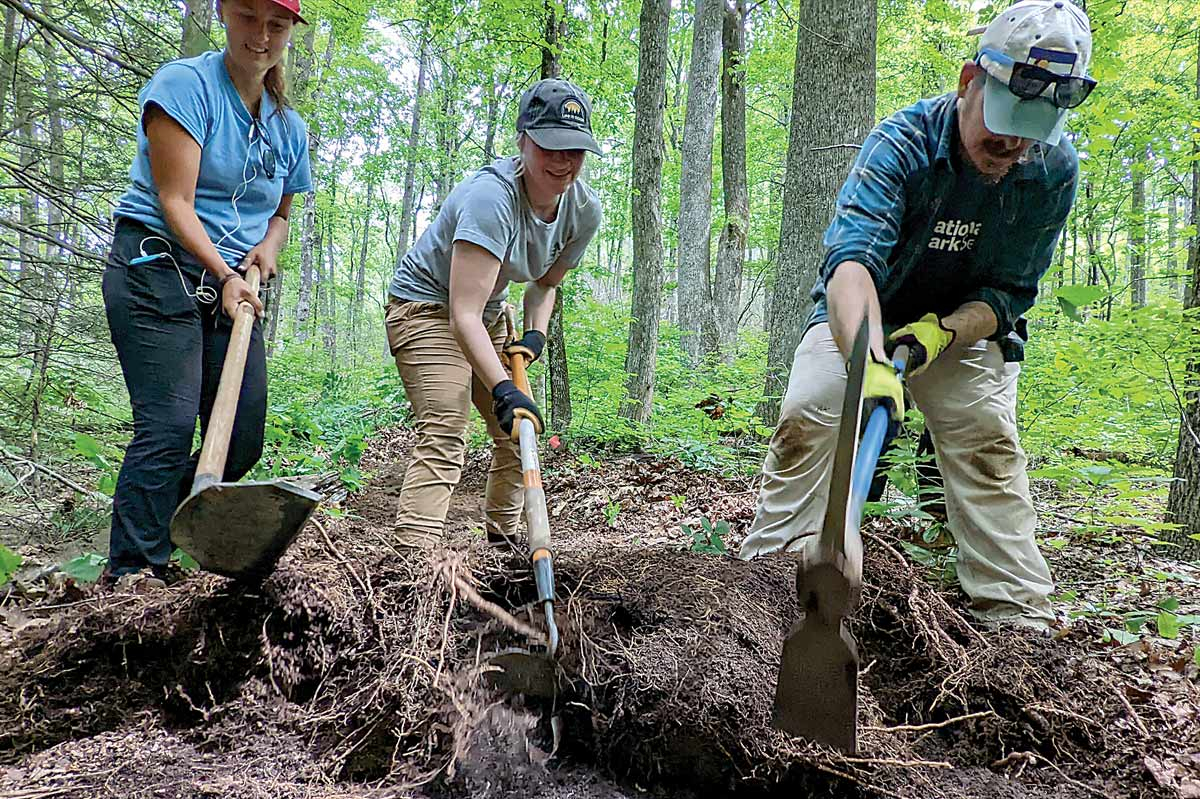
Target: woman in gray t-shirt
<point x="527" y="219"/>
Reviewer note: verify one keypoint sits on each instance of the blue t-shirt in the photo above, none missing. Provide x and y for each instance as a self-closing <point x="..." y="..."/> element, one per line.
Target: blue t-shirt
<point x="199" y="94"/>
<point x="934" y="235"/>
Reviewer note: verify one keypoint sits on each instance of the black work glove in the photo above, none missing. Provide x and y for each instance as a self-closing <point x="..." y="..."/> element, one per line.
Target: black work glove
<point x="507" y="400"/>
<point x="530" y="345"/>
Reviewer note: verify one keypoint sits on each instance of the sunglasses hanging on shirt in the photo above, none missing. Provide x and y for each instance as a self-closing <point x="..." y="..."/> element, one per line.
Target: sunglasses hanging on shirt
<point x="266" y="147"/>
<point x="1029" y="81"/>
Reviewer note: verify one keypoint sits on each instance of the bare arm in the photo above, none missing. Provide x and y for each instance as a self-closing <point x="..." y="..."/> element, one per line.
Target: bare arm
<point x="539" y="297"/>
<point x="849" y="291"/>
<point x="175" y="166"/>
<point x="473" y="273"/>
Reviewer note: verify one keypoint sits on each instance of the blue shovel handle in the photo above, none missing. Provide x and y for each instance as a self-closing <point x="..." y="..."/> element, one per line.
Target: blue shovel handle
<point x="870" y="448"/>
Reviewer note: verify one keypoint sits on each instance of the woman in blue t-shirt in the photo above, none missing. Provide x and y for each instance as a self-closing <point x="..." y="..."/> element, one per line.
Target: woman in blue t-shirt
<point x="220" y="155"/>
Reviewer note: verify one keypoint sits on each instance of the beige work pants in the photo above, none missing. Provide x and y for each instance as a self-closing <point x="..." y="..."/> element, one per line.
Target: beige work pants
<point x="441" y="387"/>
<point x="970" y="407"/>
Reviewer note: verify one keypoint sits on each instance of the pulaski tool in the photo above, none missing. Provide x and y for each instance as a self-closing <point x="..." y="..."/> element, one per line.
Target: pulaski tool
<point x="531" y="671"/>
<point x="816" y="696"/>
<point x="237" y="530"/>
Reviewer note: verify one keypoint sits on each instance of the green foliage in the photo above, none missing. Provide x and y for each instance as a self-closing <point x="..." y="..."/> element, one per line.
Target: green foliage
<point x="9" y="563"/>
<point x="86" y="568"/>
<point x="707" y="538"/>
<point x="91" y="449"/>
<point x="611" y="511"/>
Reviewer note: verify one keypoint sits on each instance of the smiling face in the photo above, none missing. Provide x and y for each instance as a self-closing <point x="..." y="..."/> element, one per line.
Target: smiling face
<point x="257" y="32"/>
<point x="548" y="173"/>
<point x="992" y="155"/>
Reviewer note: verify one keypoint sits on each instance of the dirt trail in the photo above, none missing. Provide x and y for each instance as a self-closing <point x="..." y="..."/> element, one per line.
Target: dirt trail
<point x="356" y="671"/>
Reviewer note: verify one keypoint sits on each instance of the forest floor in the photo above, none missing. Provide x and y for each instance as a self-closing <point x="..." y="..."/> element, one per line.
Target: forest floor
<point x="360" y="671"/>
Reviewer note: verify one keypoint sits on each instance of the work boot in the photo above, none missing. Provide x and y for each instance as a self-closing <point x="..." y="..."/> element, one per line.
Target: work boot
<point x="498" y="538"/>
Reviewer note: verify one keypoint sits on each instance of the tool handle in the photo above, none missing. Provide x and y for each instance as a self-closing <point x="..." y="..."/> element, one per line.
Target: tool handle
<point x="211" y="468"/>
<point x="900" y="360"/>
<point x="870" y="447"/>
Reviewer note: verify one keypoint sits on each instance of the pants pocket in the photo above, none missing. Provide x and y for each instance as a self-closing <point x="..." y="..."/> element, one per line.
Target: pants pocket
<point x="158" y="287"/>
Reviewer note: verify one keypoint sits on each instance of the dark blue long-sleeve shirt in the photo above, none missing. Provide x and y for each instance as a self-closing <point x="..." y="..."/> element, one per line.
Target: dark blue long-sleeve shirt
<point x="933" y="234"/>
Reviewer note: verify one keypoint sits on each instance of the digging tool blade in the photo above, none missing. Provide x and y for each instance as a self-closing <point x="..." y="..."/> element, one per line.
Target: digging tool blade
<point x="240" y="530"/>
<point x="816" y="695"/>
<point x="237" y="529"/>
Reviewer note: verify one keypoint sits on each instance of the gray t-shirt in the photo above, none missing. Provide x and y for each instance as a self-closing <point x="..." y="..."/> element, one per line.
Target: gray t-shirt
<point x="490" y="209"/>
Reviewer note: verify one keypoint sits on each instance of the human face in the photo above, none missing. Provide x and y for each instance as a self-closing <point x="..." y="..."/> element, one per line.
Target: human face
<point x="257" y="32"/>
<point x="548" y="173"/>
<point x="992" y="155"/>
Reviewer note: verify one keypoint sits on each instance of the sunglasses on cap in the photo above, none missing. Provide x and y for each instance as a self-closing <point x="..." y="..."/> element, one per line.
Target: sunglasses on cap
<point x="1028" y="81"/>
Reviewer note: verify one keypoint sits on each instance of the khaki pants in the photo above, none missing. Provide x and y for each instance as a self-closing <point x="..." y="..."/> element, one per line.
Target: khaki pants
<point x="441" y="388"/>
<point x="970" y="408"/>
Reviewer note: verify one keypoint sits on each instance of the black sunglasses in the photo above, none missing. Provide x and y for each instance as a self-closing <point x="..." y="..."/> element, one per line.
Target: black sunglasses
<point x="1028" y="81"/>
<point x="268" y="152"/>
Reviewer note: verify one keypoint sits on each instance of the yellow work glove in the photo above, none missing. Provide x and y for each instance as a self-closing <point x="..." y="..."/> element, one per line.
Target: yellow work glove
<point x="881" y="386"/>
<point x="926" y="339"/>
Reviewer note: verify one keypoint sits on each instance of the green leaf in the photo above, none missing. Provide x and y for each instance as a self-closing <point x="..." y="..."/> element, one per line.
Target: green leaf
<point x="87" y="446"/>
<point x="185" y="561"/>
<point x="1168" y="625"/>
<point x="1120" y="636"/>
<point x="1074" y="297"/>
<point x="9" y="563"/>
<point x="1169" y="604"/>
<point x="85" y="568"/>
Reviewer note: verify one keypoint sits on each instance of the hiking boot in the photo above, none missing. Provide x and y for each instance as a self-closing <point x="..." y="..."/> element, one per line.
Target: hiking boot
<point x="501" y="540"/>
<point x="142" y="581"/>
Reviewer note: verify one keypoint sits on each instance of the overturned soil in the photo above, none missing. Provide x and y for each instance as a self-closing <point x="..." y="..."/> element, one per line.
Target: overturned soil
<point x="357" y="670"/>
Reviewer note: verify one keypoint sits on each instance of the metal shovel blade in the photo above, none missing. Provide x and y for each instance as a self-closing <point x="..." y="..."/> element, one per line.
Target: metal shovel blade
<point x="240" y="530"/>
<point x="524" y="672"/>
<point x="816" y="696"/>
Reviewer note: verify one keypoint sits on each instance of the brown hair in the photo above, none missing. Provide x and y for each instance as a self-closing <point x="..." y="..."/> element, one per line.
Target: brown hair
<point x="276" y="87"/>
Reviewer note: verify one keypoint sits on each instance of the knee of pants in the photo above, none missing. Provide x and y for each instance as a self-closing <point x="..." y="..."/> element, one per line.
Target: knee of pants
<point x="802" y="433"/>
<point x="989" y="449"/>
<point x="160" y="441"/>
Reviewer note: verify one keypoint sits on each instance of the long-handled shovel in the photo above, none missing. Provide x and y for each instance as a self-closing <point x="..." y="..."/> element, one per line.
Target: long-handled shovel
<point x="816" y="696"/>
<point x="237" y="529"/>
<point x="526" y="670"/>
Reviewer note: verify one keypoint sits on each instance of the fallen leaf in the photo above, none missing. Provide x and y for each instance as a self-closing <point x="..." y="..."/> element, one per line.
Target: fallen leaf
<point x="1164" y="776"/>
<point x="1189" y="789"/>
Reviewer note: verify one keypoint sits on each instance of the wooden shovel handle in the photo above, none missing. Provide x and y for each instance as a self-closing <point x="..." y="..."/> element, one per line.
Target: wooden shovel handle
<point x="211" y="468"/>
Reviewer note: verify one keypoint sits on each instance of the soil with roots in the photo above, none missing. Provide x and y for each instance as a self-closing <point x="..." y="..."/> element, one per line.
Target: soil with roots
<point x="358" y="670"/>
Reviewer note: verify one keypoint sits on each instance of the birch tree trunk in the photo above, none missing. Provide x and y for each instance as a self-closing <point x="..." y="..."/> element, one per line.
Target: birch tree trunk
<point x="649" y="100"/>
<point x="833" y="110"/>
<point x="731" y="248"/>
<point x="1137" y="236"/>
<point x="197" y="22"/>
<point x="696" y="319"/>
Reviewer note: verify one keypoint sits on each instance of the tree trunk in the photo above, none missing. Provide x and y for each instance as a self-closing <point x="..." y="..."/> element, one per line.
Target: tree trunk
<point x="309" y="238"/>
<point x="556" y="343"/>
<point x="731" y="249"/>
<point x="360" y="277"/>
<point x="329" y="285"/>
<point x="414" y="141"/>
<point x="1137" y="236"/>
<point x="1173" y="246"/>
<point x="1183" y="505"/>
<point x="696" y="318"/>
<point x="833" y="110"/>
<point x="197" y="21"/>
<point x="7" y="63"/>
<point x="649" y="100"/>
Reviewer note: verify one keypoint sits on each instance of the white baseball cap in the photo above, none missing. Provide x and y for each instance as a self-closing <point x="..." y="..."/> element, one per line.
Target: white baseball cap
<point x="1052" y="34"/>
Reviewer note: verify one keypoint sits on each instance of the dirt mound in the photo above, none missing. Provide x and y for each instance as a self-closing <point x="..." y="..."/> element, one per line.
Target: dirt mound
<point x="358" y="670"/>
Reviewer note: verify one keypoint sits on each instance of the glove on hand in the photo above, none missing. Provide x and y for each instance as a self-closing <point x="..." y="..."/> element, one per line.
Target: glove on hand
<point x="507" y="399"/>
<point x="881" y="386"/>
<point x="926" y="339"/>
<point x="530" y="345"/>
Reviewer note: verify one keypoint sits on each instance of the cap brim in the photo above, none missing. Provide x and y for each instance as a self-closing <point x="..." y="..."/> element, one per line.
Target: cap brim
<point x="1005" y="114"/>
<point x="563" y="139"/>
<point x="297" y="17"/>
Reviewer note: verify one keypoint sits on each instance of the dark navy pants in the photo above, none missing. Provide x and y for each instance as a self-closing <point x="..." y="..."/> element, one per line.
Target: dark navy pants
<point x="171" y="349"/>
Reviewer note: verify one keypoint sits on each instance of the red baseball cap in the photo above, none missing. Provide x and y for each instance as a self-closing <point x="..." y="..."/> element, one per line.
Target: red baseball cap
<point x="293" y="6"/>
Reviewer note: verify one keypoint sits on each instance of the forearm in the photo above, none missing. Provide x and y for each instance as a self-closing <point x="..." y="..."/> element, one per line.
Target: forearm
<point x="539" y="304"/>
<point x="476" y="344"/>
<point x="181" y="218"/>
<point x="849" y="291"/>
<point x="970" y="322"/>
<point x="277" y="234"/>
